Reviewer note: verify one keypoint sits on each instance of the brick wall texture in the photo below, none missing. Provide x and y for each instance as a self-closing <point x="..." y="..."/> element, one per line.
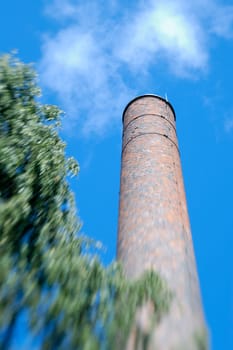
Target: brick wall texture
<point x="154" y="230"/>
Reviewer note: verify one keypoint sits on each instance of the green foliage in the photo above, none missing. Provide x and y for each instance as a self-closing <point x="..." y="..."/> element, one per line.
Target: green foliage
<point x="201" y="339"/>
<point x="70" y="300"/>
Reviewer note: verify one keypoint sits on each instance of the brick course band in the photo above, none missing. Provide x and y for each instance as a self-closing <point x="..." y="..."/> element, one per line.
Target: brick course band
<point x="154" y="114"/>
<point x="148" y="95"/>
<point x="153" y="228"/>
<point x="150" y="133"/>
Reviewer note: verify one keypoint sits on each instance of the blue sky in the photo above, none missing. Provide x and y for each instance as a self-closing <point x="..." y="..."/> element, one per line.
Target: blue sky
<point x="92" y="58"/>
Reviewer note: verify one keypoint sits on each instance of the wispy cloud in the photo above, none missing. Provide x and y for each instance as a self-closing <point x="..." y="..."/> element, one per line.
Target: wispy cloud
<point x="81" y="73"/>
<point x="88" y="60"/>
<point x="222" y="21"/>
<point x="77" y="63"/>
<point x="228" y="125"/>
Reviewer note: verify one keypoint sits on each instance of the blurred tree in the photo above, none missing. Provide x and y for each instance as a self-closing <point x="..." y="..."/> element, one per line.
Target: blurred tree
<point x="47" y="274"/>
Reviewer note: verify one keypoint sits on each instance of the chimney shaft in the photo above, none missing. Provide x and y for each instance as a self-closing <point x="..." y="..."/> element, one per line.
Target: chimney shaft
<point x="154" y="231"/>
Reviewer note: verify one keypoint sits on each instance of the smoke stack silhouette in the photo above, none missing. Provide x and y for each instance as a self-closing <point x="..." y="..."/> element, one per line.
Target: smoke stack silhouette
<point x="153" y="229"/>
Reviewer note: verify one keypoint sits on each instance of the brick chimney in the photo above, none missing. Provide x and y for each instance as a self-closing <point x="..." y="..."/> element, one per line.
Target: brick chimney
<point x="154" y="230"/>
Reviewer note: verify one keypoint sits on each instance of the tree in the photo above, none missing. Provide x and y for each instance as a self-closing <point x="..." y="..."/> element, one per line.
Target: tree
<point x="48" y="275"/>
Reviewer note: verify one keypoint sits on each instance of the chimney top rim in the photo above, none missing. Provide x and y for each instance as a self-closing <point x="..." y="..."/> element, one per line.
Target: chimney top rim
<point x="148" y="95"/>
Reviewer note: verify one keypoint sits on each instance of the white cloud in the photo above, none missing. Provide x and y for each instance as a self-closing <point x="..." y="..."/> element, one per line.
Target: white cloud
<point x="77" y="64"/>
<point x="88" y="61"/>
<point x="77" y="67"/>
<point x="163" y="30"/>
